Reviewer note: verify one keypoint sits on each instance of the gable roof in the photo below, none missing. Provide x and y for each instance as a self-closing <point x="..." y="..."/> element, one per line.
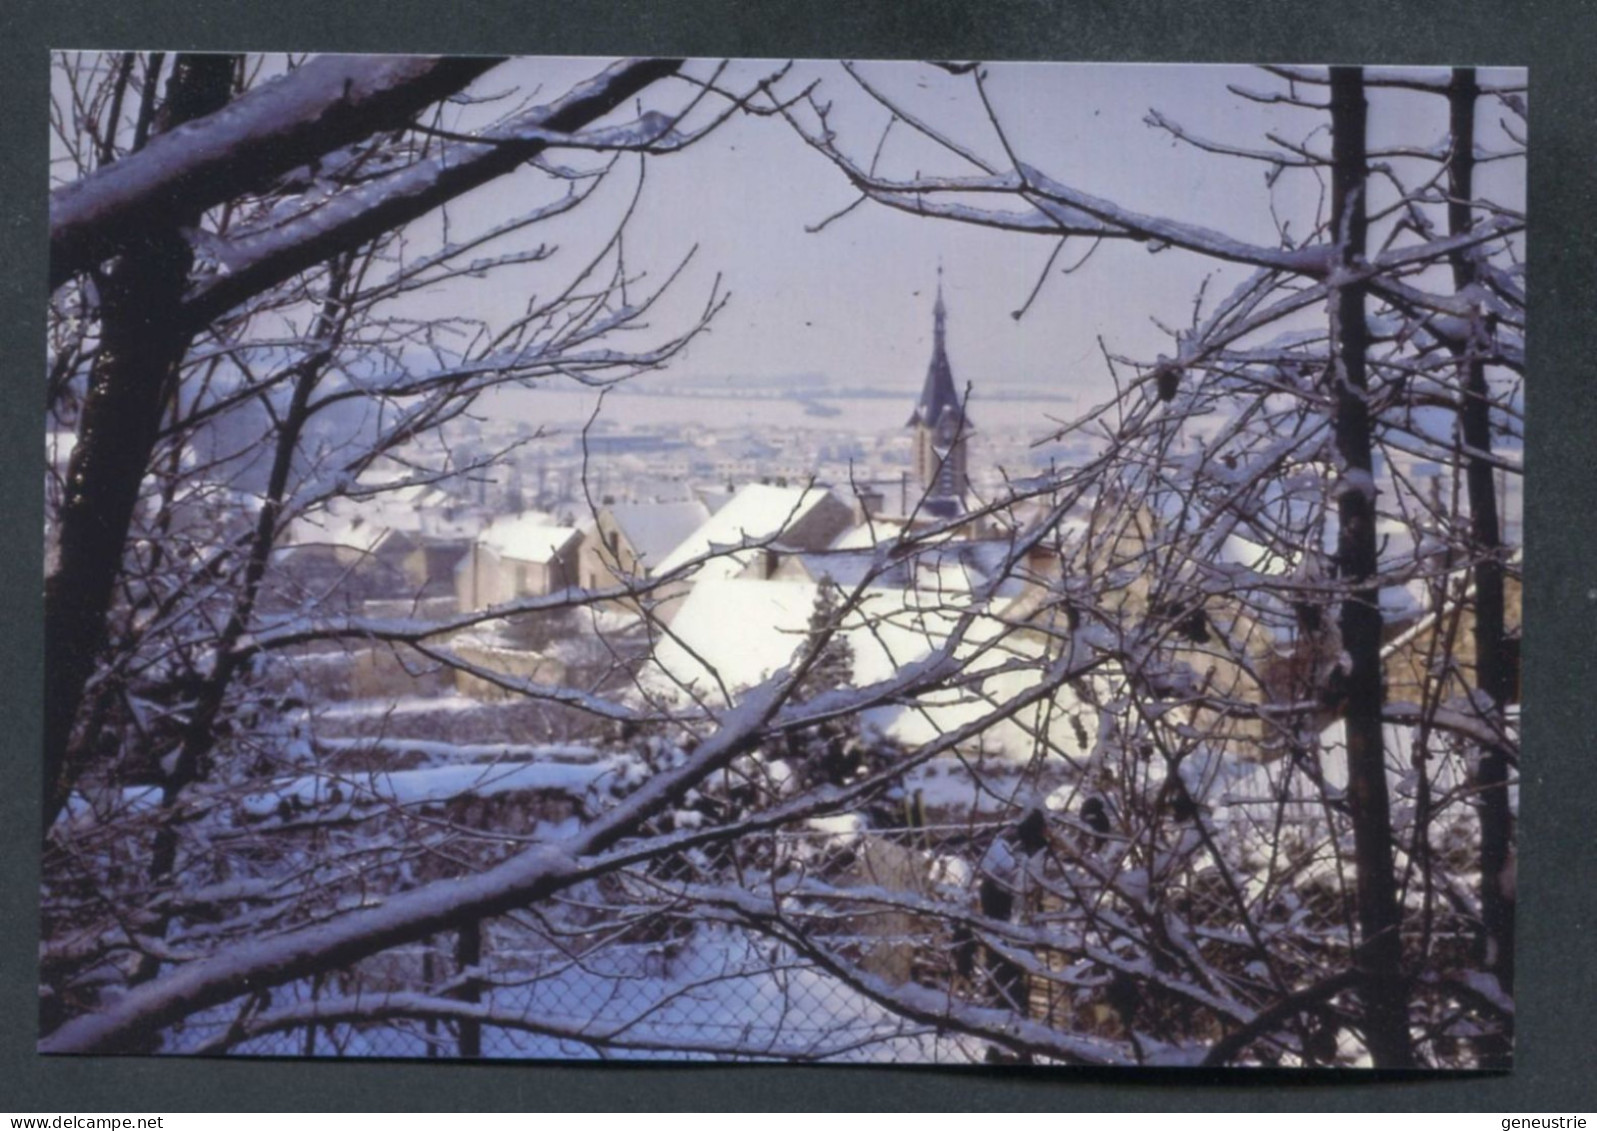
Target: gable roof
<point x="891" y="629"/>
<point x="758" y="512"/>
<point x="655" y="529"/>
<point x="527" y="537"/>
<point x="952" y="566"/>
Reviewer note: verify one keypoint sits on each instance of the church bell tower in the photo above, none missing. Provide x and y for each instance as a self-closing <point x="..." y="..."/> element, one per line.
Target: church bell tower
<point x="942" y="430"/>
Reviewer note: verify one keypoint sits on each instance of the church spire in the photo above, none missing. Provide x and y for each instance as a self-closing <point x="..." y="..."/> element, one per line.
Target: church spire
<point x="940" y="425"/>
<point x="938" y="395"/>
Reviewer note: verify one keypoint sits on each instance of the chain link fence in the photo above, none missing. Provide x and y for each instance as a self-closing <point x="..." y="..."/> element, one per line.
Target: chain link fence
<point x="682" y="957"/>
<point x="622" y="970"/>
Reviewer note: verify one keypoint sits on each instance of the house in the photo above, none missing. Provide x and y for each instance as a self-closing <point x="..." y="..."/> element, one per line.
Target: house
<point x="524" y="555"/>
<point x="389" y="538"/>
<point x="345" y="549"/>
<point x="1410" y="660"/>
<point x="370" y="559"/>
<point x="894" y="627"/>
<point x="760" y="519"/>
<point x="627" y="540"/>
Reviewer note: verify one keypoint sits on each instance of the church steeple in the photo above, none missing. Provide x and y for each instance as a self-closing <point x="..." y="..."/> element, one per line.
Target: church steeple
<point x="938" y="395"/>
<point x="940" y="424"/>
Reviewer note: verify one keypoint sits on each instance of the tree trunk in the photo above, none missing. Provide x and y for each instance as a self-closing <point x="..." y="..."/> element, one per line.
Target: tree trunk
<point x="1380" y="953"/>
<point x="1492" y="670"/>
<point x="200" y="734"/>
<point x="146" y="327"/>
<point x="143" y="342"/>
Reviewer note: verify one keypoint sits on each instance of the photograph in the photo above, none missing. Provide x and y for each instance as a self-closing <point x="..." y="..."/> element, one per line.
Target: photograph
<point x="950" y="563"/>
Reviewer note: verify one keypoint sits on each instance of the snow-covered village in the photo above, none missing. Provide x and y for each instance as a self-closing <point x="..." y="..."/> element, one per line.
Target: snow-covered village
<point x="572" y="559"/>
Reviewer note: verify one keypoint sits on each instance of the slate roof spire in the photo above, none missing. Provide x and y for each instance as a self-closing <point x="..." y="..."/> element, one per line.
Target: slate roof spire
<point x="939" y="394"/>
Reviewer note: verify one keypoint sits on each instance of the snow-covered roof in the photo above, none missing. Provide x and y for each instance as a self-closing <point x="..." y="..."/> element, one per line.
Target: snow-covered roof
<point x="955" y="565"/>
<point x="847" y="568"/>
<point x="361" y="522"/>
<point x="655" y="529"/>
<point x="714" y="498"/>
<point x="893" y="628"/>
<point x="756" y="513"/>
<point x="1237" y="550"/>
<point x="528" y="537"/>
<point x="770" y="618"/>
<point x="1401" y="603"/>
<point x="340" y="526"/>
<point x="867" y="534"/>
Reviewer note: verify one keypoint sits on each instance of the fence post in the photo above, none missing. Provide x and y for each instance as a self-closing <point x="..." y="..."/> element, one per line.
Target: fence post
<point x="310" y="1030"/>
<point x="468" y="953"/>
<point x="429" y="975"/>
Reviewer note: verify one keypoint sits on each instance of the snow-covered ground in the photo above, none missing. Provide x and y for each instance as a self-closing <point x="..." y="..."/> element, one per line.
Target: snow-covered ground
<point x="720" y="994"/>
<point x="409" y="788"/>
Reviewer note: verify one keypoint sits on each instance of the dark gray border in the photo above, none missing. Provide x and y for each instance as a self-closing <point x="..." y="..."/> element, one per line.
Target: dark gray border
<point x="1558" y="844"/>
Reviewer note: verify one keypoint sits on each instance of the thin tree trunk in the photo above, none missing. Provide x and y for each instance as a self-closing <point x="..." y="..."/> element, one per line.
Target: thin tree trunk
<point x="147" y="325"/>
<point x="200" y="734"/>
<point x="1380" y="953"/>
<point x="142" y="344"/>
<point x="1492" y="670"/>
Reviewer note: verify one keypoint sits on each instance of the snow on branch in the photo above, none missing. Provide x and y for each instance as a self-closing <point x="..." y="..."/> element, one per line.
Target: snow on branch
<point x="530" y="876"/>
<point x="350" y="218"/>
<point x="329" y="102"/>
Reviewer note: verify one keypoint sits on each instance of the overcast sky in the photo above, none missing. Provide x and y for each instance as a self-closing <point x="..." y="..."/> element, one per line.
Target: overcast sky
<point x="853" y="302"/>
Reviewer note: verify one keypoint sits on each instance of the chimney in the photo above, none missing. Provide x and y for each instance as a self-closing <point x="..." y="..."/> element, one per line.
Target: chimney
<point x="868" y="503"/>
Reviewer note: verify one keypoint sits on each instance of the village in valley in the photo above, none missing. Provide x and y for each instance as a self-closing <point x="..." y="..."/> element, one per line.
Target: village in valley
<point x="459" y="658"/>
<point x="684" y="564"/>
<point x="673" y="568"/>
